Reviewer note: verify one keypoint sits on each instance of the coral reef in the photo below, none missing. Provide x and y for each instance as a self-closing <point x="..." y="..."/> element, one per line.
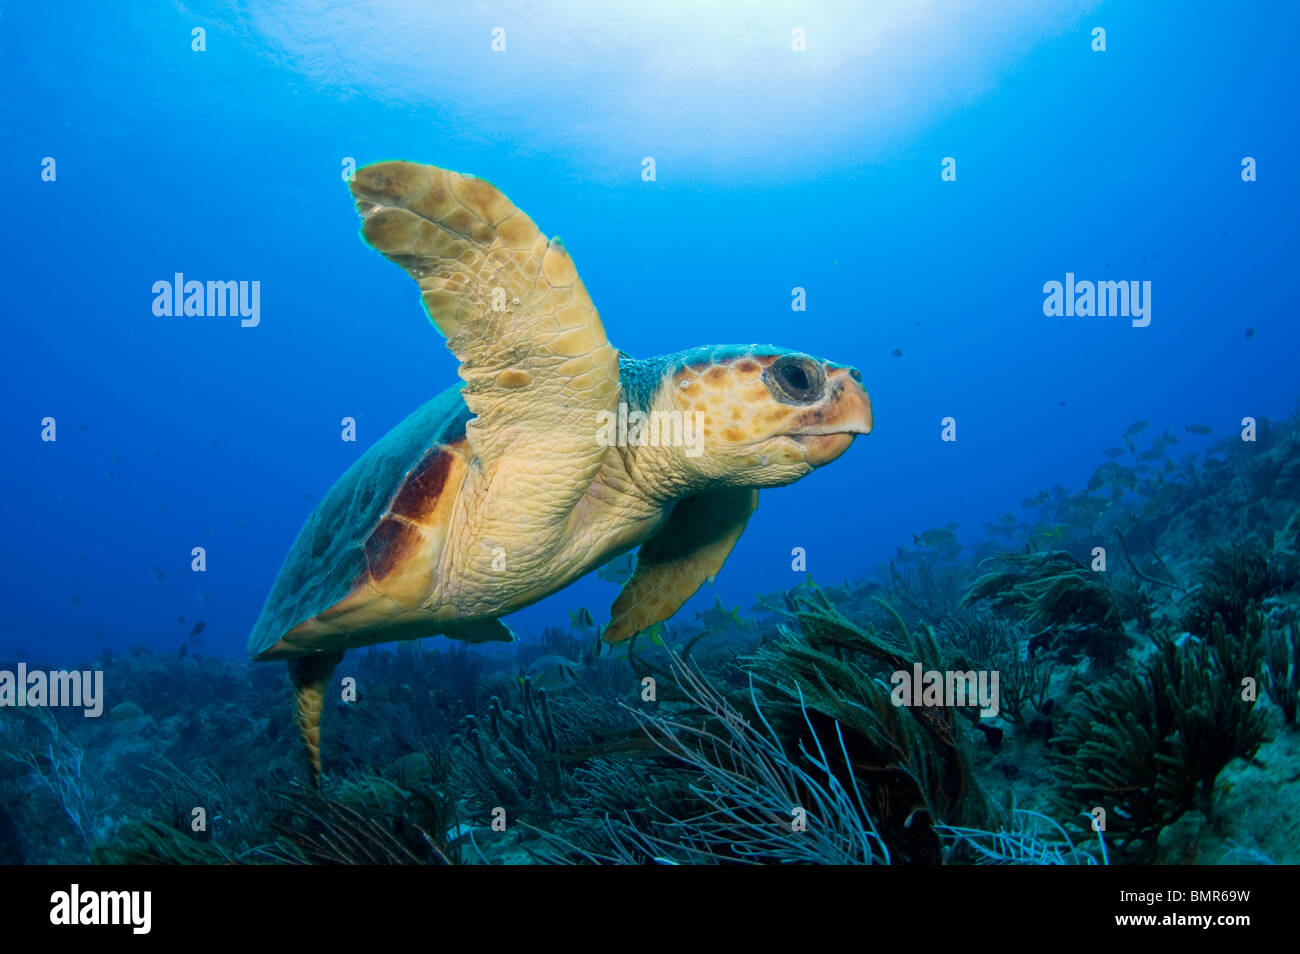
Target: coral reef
<point x="1059" y="597"/>
<point x="1282" y="668"/>
<point x="1236" y="577"/>
<point x="1162" y="686"/>
<point x="1147" y="746"/>
<point x="913" y="760"/>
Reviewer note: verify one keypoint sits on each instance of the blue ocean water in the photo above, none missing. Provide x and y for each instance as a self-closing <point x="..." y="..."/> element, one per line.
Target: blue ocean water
<point x="776" y="169"/>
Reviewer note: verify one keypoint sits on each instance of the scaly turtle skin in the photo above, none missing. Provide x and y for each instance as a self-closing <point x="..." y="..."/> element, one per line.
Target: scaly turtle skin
<point x="555" y="455"/>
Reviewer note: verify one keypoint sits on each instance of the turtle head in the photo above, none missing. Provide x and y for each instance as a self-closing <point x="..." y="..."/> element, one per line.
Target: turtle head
<point x="758" y="416"/>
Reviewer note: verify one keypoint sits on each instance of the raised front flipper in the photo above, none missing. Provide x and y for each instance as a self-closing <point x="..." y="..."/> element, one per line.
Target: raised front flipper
<point x="533" y="353"/>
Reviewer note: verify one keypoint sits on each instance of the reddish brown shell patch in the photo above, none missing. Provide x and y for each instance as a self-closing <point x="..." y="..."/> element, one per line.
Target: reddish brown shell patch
<point x="391" y="542"/>
<point x="417" y="499"/>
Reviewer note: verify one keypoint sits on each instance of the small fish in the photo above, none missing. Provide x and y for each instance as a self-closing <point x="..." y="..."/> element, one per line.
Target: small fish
<point x="838" y="594"/>
<point x="1113" y="452"/>
<point x="718" y="617"/>
<point x="897" y="352"/>
<point x="82" y="427"/>
<point x="199" y="627"/>
<point x="1137" y="427"/>
<point x="1198" y="429"/>
<point x="618" y="570"/>
<point x="184" y="651"/>
<point x="76" y="601"/>
<point x="1154" y="453"/>
<point x="156" y="452"/>
<point x="582" y="620"/>
<point x="1250" y="333"/>
<point x="1062" y="403"/>
<point x="935" y="537"/>
<point x="180" y="619"/>
<point x="553" y="673"/>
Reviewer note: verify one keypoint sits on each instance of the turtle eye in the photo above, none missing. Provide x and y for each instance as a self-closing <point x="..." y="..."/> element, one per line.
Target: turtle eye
<point x="795" y="379"/>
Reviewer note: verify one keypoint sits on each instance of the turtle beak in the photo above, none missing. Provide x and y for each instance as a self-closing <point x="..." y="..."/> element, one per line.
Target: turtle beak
<point x="853" y="404"/>
<point x="844" y="415"/>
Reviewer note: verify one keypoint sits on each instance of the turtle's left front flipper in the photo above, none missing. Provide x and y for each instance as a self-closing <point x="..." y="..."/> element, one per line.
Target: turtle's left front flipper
<point x="538" y="371"/>
<point x="690" y="549"/>
<point x="309" y="675"/>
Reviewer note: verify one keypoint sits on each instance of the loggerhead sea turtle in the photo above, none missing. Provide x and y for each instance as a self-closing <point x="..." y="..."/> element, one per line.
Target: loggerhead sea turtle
<point x="532" y="472"/>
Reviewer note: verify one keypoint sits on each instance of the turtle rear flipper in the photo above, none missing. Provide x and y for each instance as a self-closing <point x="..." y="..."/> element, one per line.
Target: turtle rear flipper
<point x="309" y="675"/>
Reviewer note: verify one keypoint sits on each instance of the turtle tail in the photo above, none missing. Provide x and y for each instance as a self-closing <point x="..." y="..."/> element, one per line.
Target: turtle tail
<point x="309" y="675"/>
